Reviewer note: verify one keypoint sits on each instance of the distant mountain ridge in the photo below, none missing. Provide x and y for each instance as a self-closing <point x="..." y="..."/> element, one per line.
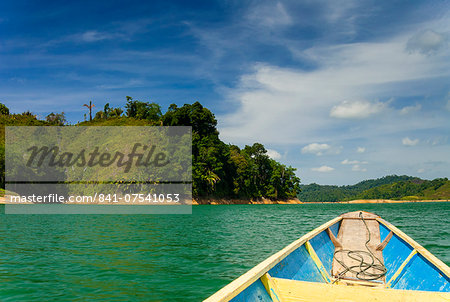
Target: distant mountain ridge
<point x="389" y="187"/>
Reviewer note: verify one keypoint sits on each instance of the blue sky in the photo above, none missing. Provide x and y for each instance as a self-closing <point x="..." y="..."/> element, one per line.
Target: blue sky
<point x="342" y="90"/>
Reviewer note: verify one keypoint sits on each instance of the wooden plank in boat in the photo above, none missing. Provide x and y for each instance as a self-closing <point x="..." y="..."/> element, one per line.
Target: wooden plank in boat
<point x="356" y="215"/>
<point x="352" y="236"/>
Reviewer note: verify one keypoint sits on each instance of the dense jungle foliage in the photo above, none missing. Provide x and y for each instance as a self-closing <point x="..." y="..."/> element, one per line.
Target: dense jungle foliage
<point x="218" y="169"/>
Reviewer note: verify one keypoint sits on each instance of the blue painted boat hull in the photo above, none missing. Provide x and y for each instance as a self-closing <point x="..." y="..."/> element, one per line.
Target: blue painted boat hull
<point x="408" y="266"/>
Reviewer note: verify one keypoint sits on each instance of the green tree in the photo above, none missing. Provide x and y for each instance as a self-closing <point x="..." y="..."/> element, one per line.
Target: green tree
<point x="116" y="112"/>
<point x="99" y="115"/>
<point x="200" y="118"/>
<point x="239" y="172"/>
<point x="209" y="153"/>
<point x="143" y="110"/>
<point x="57" y="119"/>
<point x="3" y="109"/>
<point x="106" y="111"/>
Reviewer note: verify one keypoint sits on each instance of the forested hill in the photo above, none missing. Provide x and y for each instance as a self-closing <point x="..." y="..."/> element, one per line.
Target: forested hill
<point x="388" y="187"/>
<point x="219" y="170"/>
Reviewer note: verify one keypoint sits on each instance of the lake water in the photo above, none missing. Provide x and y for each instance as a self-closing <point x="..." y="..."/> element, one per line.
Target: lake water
<point x="172" y="257"/>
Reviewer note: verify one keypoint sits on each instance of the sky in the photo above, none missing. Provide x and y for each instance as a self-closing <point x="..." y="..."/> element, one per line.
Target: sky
<point x="341" y="90"/>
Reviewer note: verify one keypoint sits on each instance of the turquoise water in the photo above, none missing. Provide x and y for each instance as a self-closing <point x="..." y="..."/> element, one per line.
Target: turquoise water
<point x="172" y="257"/>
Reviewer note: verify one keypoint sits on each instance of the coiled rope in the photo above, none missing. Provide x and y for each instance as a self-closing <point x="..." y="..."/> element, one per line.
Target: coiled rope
<point x="361" y="270"/>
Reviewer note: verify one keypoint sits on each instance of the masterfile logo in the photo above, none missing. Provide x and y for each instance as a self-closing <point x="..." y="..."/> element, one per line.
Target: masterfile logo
<point x="73" y="153"/>
<point x="148" y="157"/>
<point x="99" y="166"/>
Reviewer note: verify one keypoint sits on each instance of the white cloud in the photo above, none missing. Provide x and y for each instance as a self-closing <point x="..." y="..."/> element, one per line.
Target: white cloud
<point x="353" y="162"/>
<point x="270" y="15"/>
<point x="438" y="140"/>
<point x="270" y="98"/>
<point x="321" y="149"/>
<point x="358" y="168"/>
<point x="316" y="148"/>
<point x="132" y="83"/>
<point x="121" y="30"/>
<point x="356" y="165"/>
<point x="349" y="162"/>
<point x="360" y="149"/>
<point x="427" y="41"/>
<point x="93" y="36"/>
<point x="409" y="142"/>
<point x="273" y="154"/>
<point x="323" y="169"/>
<point x="421" y="170"/>
<point x="410" y="109"/>
<point x="356" y="109"/>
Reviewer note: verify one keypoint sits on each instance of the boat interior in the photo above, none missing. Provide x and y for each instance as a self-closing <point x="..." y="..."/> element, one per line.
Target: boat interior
<point x="340" y="261"/>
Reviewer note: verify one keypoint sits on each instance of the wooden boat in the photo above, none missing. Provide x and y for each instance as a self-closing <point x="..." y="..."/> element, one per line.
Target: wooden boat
<point x="357" y="256"/>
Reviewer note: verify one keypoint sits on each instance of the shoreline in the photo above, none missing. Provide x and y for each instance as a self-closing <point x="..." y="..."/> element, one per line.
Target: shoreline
<point x="380" y="201"/>
<point x="225" y="201"/>
<point x="222" y="201"/>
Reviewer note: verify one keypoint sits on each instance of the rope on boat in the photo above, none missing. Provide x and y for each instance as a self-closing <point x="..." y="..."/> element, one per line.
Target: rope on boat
<point x="362" y="269"/>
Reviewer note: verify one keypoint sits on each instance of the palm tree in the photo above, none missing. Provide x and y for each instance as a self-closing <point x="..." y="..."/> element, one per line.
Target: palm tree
<point x="90" y="109"/>
<point x="211" y="178"/>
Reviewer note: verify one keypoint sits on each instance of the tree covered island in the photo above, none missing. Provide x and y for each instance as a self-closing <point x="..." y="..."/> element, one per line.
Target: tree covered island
<point x="219" y="170"/>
